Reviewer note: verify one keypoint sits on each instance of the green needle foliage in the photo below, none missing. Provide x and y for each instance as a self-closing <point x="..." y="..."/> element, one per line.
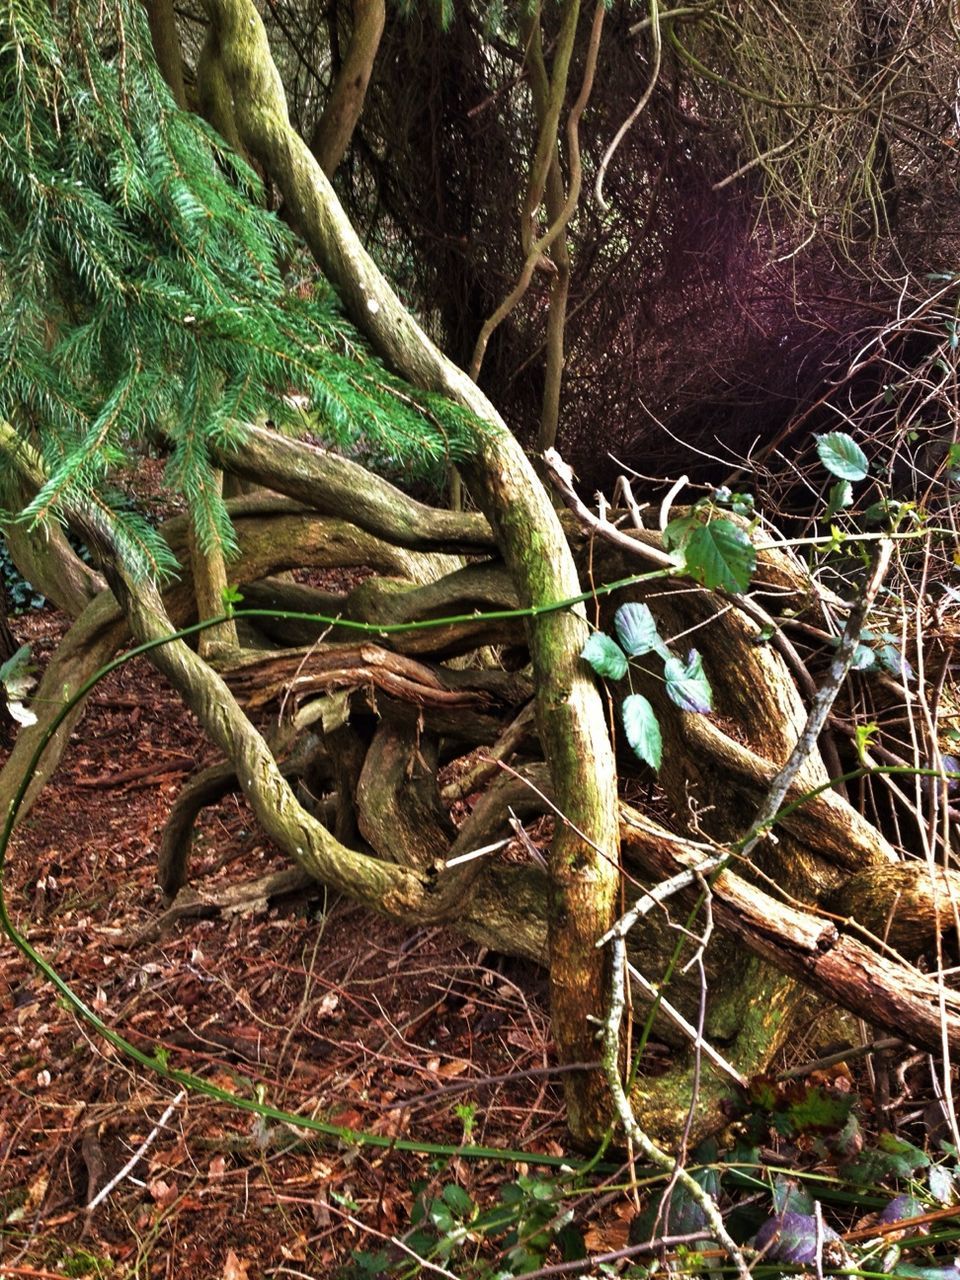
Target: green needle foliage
<point x="142" y="288"/>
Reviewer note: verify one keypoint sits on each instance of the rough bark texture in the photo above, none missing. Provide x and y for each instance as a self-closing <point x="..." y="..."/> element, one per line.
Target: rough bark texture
<point x="334" y="130"/>
<point x="365" y="727"/>
<point x="572" y="724"/>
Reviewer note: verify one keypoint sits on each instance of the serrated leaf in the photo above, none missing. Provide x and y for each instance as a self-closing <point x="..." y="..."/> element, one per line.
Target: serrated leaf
<point x="943" y="1186"/>
<point x="893" y="660"/>
<point x="458" y="1200"/>
<point x="863" y="658"/>
<point x="678" y="531"/>
<point x="790" y="1197"/>
<point x="681" y="1215"/>
<point x="605" y="656"/>
<point x="637" y="631"/>
<point x="841" y="496"/>
<point x="441" y="1217"/>
<point x="842" y="456"/>
<point x="901" y="1207"/>
<point x="720" y="555"/>
<point x="687" y="686"/>
<point x="814" y="1108"/>
<point x="892" y="1156"/>
<point x="793" y="1237"/>
<point x="642" y="730"/>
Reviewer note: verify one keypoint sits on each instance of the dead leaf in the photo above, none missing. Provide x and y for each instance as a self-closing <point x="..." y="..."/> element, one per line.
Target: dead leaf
<point x="328" y="1004"/>
<point x="235" y="1268"/>
<point x="163" y="1192"/>
<point x="454" y="1068"/>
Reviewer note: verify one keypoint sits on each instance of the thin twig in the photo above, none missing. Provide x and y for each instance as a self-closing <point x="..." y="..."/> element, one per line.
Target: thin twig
<point x="577" y="1265"/>
<point x="670" y="1011"/>
<point x="138" y="1154"/>
<point x="649" y="1149"/>
<point x="823" y="701"/>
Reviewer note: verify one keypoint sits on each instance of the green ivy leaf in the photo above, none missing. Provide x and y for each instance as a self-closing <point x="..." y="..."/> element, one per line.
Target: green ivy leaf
<point x="637" y="630"/>
<point x="605" y="656"/>
<point x="841" y="496"/>
<point x="642" y="730"/>
<point x="687" y="686"/>
<point x="720" y="555"/>
<point x="842" y="456"/>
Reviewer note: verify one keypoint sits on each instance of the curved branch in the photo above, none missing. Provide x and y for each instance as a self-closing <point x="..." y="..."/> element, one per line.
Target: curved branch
<point x="570" y="711"/>
<point x="342" y="111"/>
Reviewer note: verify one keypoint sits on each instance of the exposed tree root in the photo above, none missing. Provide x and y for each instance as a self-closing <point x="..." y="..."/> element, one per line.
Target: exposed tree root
<point x="362" y="726"/>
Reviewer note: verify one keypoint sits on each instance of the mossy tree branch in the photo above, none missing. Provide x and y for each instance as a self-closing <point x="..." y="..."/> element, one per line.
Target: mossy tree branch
<point x="572" y="722"/>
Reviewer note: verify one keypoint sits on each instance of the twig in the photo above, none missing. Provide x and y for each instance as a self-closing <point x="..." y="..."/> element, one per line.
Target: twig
<point x="577" y="1265"/>
<point x="641" y="103"/>
<point x="842" y="1055"/>
<point x="823" y="701"/>
<point x="394" y="1240"/>
<point x="688" y="1029"/>
<point x="138" y="1154"/>
<point x="651" y="898"/>
<point x="561" y="476"/>
<point x="653" y="1153"/>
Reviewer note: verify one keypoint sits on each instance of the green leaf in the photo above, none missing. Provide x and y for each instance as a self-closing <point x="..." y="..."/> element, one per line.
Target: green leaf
<point x="458" y="1200"/>
<point x="865" y="735"/>
<point x="441" y="1217"/>
<point x="642" y="730"/>
<point x="687" y="686"/>
<point x="681" y="1215"/>
<point x="893" y="661"/>
<point x="678" y="531"/>
<point x="637" y="629"/>
<point x="790" y="1197"/>
<point x="605" y="656"/>
<point x="841" y="496"/>
<point x="863" y="658"/>
<point x="842" y="456"/>
<point x="892" y="1157"/>
<point x="721" y="556"/>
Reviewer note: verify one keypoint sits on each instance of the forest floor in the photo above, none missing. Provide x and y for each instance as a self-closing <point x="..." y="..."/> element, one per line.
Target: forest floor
<point x="317" y="1008"/>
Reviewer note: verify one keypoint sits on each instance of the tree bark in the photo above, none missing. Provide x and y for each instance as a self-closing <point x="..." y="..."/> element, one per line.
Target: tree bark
<point x="584" y="872"/>
<point x="331" y="138"/>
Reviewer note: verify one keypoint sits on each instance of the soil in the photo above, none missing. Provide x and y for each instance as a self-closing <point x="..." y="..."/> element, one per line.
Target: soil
<point x="317" y="1007"/>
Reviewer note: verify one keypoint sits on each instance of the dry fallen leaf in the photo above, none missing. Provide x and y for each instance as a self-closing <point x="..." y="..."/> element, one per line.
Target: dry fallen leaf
<point x="163" y="1192"/>
<point x="235" y="1268"/>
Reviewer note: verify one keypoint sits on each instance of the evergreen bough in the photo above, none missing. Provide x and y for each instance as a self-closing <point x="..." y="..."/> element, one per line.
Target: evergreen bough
<point x="143" y="289"/>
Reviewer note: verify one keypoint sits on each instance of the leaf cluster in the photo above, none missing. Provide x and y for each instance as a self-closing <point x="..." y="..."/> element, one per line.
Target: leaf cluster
<point x="686" y="683"/>
<point x="143" y="291"/>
